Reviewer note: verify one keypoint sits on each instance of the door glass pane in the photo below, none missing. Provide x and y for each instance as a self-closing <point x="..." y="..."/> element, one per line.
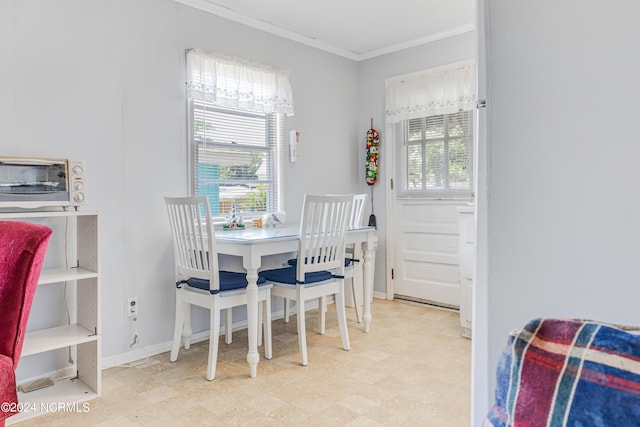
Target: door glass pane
<point x="435" y="165"/>
<point x="459" y="124"/>
<point x="414" y="130"/>
<point x="414" y="167"/>
<point x="434" y="127"/>
<point x="458" y="163"/>
<point x="437" y="155"/>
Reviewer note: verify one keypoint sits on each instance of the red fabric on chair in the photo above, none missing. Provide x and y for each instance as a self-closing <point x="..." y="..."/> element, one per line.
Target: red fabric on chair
<point x="22" y="249"/>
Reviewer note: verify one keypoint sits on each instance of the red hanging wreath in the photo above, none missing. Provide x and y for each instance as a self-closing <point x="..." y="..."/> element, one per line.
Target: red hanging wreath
<point x="373" y="140"/>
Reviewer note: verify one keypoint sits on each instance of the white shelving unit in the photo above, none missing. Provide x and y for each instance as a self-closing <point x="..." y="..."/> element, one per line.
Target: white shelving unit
<point x="466" y="245"/>
<point x="83" y="333"/>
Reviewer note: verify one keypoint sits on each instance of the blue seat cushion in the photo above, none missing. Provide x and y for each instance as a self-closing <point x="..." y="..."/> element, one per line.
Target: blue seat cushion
<point x="347" y="261"/>
<point x="288" y="275"/>
<point x="229" y="280"/>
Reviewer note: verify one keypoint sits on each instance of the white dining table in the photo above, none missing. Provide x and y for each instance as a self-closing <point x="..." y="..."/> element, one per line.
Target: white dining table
<point x="254" y="243"/>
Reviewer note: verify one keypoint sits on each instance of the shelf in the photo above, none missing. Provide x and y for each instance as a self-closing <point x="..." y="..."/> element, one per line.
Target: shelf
<point x="466" y="253"/>
<point x="75" y="237"/>
<point x="70" y="393"/>
<point x="65" y="275"/>
<point x="43" y="214"/>
<point x="55" y="338"/>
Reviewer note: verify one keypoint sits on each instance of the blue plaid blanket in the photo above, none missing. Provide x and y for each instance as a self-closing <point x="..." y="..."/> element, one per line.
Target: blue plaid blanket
<point x="557" y="372"/>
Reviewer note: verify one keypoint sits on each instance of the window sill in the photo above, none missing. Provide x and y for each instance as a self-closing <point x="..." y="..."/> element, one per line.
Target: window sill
<point x="444" y="198"/>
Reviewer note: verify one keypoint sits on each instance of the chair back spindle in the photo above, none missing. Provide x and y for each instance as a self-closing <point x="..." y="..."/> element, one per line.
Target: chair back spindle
<point x="357" y="213"/>
<point x="195" y="252"/>
<point x="322" y="234"/>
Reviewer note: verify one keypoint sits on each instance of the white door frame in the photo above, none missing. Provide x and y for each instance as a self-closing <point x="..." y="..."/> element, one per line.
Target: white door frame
<point x="389" y="156"/>
<point x="481" y="377"/>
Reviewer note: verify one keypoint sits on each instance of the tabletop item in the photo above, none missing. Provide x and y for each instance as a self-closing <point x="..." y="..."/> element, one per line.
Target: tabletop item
<point x="234" y="221"/>
<point x="273" y="219"/>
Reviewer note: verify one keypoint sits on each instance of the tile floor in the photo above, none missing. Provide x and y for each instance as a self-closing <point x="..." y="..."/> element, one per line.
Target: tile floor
<point x="412" y="369"/>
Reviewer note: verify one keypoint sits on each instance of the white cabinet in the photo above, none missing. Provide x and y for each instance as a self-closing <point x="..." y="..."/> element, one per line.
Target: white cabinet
<point x="72" y="267"/>
<point x="466" y="247"/>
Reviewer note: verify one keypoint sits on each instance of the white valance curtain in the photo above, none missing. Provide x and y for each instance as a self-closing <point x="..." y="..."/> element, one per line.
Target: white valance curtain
<point x="433" y="92"/>
<point x="234" y="82"/>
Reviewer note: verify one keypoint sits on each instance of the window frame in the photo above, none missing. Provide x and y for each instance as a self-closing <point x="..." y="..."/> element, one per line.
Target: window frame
<point x="401" y="130"/>
<point x="274" y="143"/>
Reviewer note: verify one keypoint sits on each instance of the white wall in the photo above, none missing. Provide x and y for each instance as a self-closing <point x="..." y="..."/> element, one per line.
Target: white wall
<point x="103" y="81"/>
<point x="563" y="168"/>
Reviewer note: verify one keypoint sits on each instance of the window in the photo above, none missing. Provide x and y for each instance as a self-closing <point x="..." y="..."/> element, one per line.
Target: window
<point x="431" y="114"/>
<point x="236" y="132"/>
<point x="437" y="155"/>
<point x="235" y="156"/>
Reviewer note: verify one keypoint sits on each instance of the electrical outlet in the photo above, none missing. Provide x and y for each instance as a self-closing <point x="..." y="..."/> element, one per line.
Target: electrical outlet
<point x="132" y="307"/>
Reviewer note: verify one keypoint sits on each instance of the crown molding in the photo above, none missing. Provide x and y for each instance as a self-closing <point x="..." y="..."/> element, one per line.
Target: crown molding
<point x="430" y="38"/>
<point x="227" y="13"/>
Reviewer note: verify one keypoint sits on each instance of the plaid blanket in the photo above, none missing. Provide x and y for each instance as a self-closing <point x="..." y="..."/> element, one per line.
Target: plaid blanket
<point x="568" y="373"/>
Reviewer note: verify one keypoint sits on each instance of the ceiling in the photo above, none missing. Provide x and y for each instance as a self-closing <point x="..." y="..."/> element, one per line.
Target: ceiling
<point x="355" y="29"/>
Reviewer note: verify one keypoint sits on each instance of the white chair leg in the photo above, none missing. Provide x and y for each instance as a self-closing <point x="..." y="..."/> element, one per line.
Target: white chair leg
<point x="214" y="332"/>
<point x="260" y="320"/>
<point x="286" y="310"/>
<point x="342" y="318"/>
<point x="186" y="330"/>
<point x="266" y="321"/>
<point x="177" y="327"/>
<point x="357" y="282"/>
<point x="228" y="326"/>
<point x="302" y="328"/>
<point x="322" y="313"/>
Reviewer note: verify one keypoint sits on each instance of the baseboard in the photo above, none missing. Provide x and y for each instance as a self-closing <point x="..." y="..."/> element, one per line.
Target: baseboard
<point x="379" y="295"/>
<point x="140" y="352"/>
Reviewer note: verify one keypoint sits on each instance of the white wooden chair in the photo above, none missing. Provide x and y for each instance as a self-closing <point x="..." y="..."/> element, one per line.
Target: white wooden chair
<point x="200" y="282"/>
<point x="353" y="254"/>
<point x="319" y="270"/>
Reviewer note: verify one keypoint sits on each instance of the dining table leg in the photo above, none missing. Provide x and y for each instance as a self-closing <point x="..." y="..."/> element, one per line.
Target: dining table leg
<point x="253" y="357"/>
<point x="369" y="253"/>
<point x="358" y="283"/>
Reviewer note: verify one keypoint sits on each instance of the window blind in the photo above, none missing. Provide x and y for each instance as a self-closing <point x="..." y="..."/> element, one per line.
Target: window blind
<point x="235" y="157"/>
<point x="437" y="154"/>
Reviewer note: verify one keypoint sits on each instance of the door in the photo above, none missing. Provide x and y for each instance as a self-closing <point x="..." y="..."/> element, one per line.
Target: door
<point x="425" y="248"/>
<point x="433" y="174"/>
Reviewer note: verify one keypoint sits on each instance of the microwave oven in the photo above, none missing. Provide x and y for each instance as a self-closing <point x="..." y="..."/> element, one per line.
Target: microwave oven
<point x="32" y="183"/>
